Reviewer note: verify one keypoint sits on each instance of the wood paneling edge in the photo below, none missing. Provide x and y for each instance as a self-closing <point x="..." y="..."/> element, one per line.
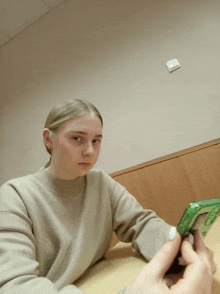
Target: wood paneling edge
<point x="166" y="157"/>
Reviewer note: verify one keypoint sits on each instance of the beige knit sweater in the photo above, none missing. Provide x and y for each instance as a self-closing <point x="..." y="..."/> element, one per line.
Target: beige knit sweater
<point x="52" y="230"/>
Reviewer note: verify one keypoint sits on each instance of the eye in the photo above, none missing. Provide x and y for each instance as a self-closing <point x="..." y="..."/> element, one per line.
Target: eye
<point x="96" y="141"/>
<point x="77" y="139"/>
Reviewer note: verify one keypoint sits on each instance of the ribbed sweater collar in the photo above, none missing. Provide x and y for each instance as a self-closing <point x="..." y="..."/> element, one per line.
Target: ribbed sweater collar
<point x="58" y="185"/>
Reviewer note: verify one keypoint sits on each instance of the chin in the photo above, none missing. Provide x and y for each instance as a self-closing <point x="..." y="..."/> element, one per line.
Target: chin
<point x="84" y="170"/>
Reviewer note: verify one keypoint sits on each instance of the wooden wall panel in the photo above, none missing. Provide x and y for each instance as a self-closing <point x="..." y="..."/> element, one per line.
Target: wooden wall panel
<point x="162" y="187"/>
<point x="168" y="184"/>
<point x="202" y="170"/>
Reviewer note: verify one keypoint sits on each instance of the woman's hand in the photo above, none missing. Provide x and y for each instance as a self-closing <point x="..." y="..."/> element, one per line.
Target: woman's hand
<point x="197" y="277"/>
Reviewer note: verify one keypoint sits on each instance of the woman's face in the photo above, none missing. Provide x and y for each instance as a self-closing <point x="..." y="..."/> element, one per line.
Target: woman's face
<point x="76" y="146"/>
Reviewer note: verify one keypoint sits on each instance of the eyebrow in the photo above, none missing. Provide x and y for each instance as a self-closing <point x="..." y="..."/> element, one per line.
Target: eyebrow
<point x="84" y="133"/>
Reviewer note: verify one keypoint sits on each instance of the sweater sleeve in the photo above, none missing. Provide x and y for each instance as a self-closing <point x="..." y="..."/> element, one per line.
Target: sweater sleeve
<point x="19" y="270"/>
<point x="132" y="223"/>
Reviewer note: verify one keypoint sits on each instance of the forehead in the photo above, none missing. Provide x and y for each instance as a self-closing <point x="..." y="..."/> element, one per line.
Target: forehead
<point x="88" y="122"/>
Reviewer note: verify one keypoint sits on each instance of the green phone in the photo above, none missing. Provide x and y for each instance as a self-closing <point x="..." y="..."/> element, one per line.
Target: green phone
<point x="199" y="215"/>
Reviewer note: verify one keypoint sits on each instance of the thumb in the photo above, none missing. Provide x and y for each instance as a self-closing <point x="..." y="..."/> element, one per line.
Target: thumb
<point x="165" y="257"/>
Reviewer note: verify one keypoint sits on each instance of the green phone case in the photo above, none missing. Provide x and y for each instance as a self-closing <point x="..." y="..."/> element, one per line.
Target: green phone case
<point x="199" y="215"/>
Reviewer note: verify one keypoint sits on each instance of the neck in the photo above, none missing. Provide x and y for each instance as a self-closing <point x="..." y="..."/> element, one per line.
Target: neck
<point x="60" y="173"/>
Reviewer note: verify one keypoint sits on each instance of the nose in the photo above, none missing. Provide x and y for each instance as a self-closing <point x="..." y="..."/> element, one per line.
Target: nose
<point x="88" y="150"/>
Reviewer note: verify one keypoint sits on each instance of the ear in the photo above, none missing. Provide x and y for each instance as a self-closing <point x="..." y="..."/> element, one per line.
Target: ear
<point x="47" y="139"/>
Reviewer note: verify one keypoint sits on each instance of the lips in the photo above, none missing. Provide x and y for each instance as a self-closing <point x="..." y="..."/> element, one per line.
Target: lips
<point x="84" y="163"/>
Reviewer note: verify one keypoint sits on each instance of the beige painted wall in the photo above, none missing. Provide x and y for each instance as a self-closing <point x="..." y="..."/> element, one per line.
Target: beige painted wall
<point x="113" y="53"/>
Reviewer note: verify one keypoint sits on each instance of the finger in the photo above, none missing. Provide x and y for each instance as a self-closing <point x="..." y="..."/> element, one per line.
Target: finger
<point x="172" y="279"/>
<point x="201" y="253"/>
<point x="165" y="256"/>
<point x="200" y="247"/>
<point x="198" y="243"/>
<point x="210" y="253"/>
<point x="181" y="260"/>
<point x="188" y="254"/>
<point x="213" y="267"/>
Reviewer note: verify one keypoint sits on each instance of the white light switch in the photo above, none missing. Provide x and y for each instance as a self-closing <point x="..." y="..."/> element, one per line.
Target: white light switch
<point x="172" y="65"/>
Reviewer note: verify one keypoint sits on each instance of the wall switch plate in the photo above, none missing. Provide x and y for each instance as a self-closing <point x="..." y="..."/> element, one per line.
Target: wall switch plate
<point x="172" y="65"/>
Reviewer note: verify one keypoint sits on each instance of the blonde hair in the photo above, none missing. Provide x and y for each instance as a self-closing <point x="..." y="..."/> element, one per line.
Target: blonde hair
<point x="66" y="111"/>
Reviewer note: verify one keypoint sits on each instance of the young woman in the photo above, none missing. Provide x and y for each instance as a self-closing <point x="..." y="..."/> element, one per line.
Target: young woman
<point x="58" y="222"/>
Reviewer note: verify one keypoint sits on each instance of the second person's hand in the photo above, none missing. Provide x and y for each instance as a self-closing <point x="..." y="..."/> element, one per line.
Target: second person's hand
<point x="197" y="277"/>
